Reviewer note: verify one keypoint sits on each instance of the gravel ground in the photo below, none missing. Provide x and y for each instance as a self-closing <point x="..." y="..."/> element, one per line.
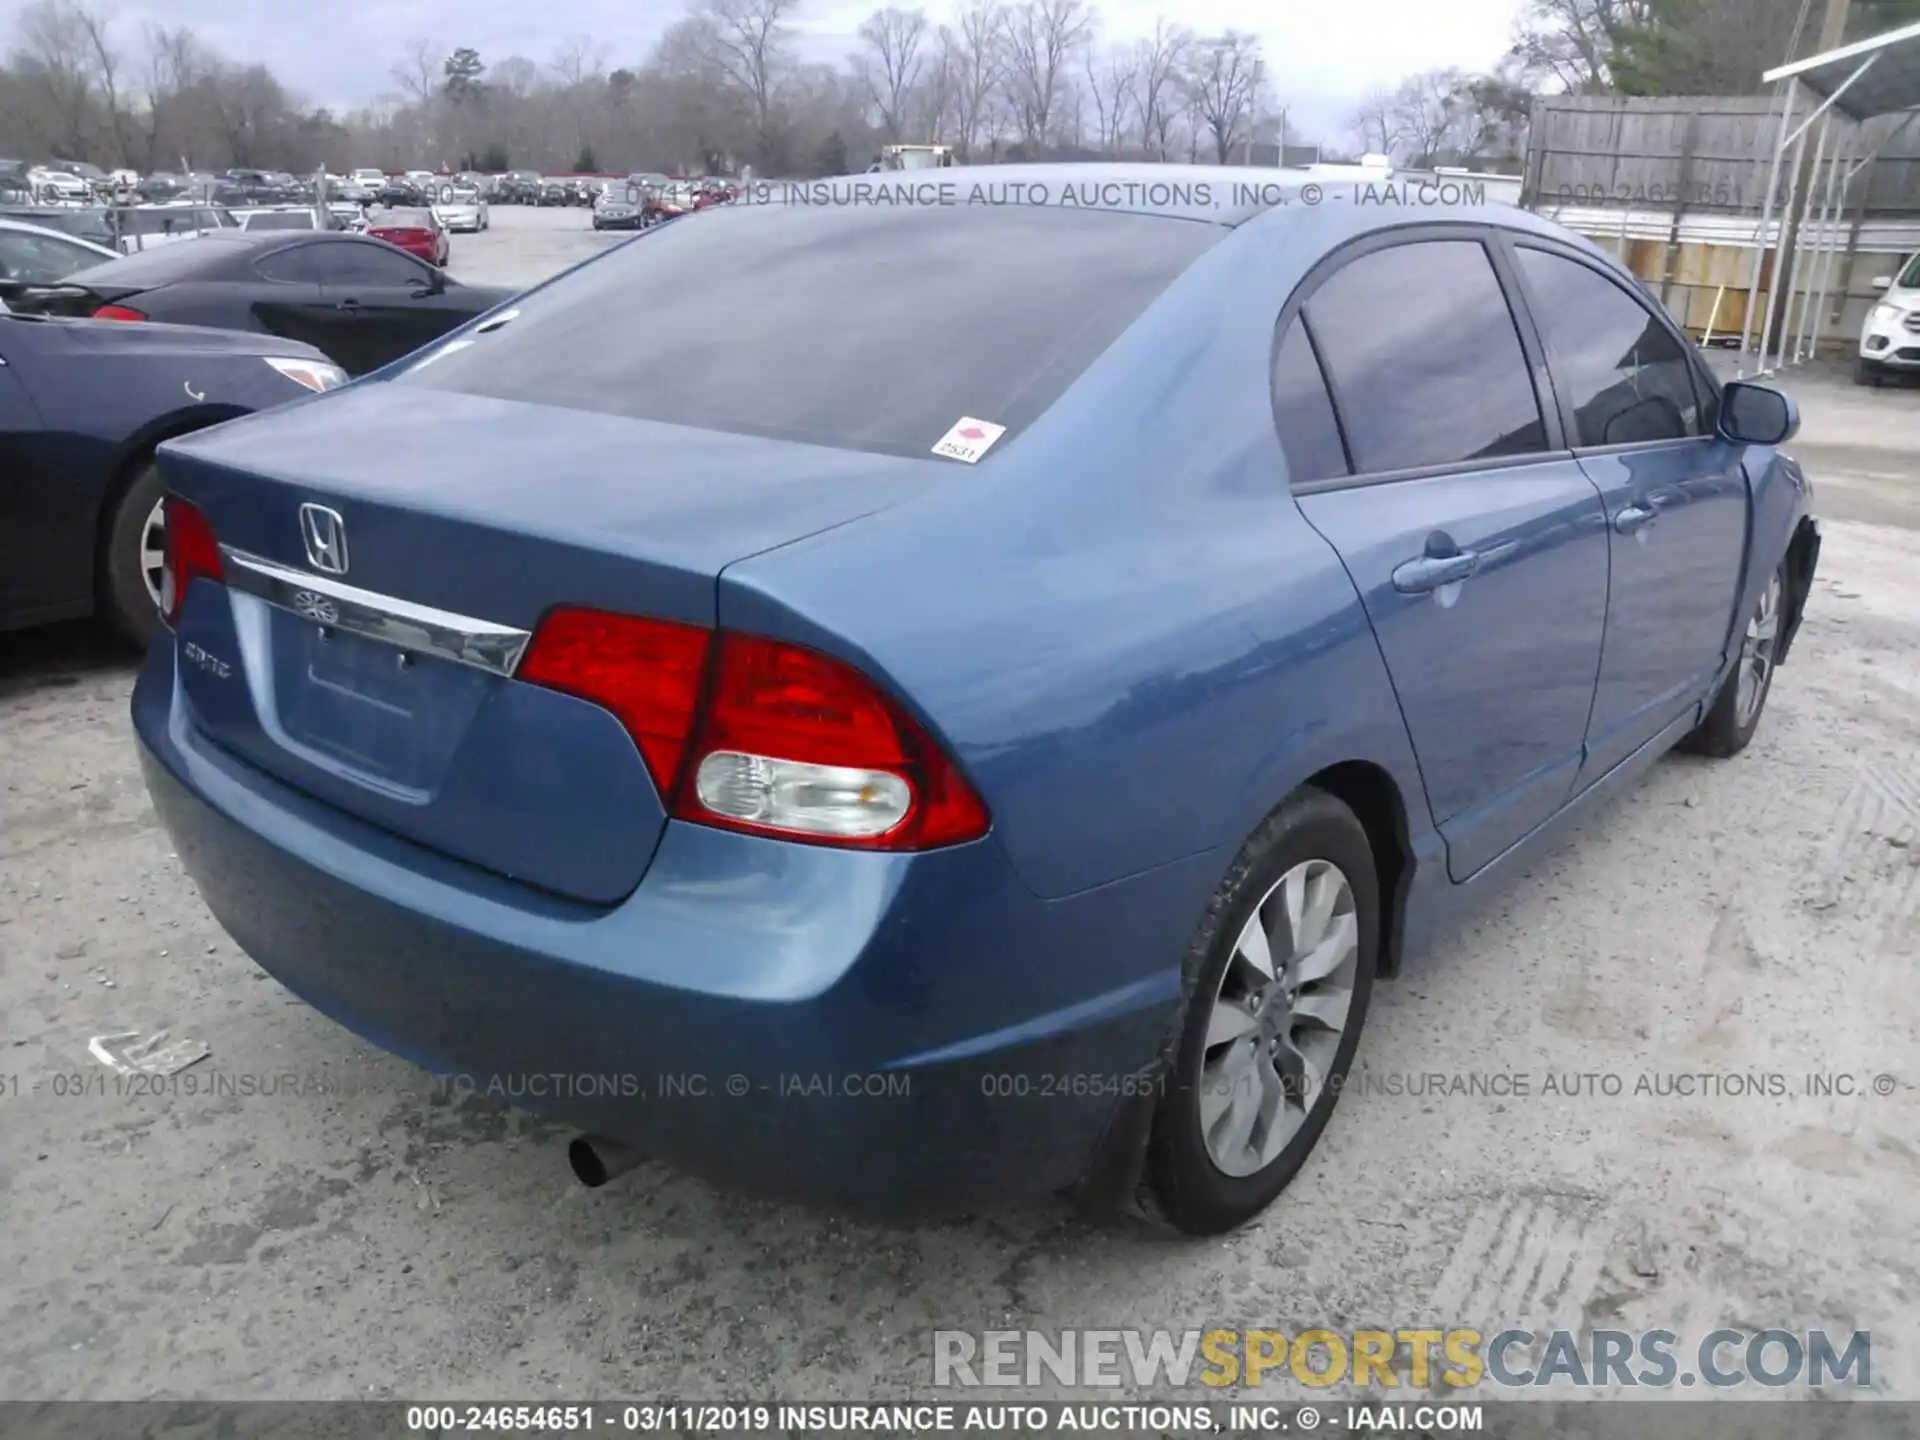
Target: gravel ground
<point x="524" y="245"/>
<point x="1754" y="918"/>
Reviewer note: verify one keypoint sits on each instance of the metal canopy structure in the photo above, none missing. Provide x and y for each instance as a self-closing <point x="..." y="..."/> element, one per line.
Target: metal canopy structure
<point x="1842" y="89"/>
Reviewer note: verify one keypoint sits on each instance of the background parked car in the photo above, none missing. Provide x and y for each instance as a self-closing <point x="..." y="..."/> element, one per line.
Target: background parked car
<point x="360" y="301"/>
<point x="292" y="217"/>
<point x="145" y="227"/>
<point x="418" y="231"/>
<point x="82" y="406"/>
<point x="400" y="192"/>
<point x="520" y="187"/>
<point x="462" y="209"/>
<point x="91" y="223"/>
<point x="60" y="187"/>
<point x="34" y="255"/>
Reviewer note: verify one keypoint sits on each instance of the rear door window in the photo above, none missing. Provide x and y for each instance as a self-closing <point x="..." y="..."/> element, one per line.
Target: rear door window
<point x="861" y="327"/>
<point x="1309" y="433"/>
<point x="1424" y="358"/>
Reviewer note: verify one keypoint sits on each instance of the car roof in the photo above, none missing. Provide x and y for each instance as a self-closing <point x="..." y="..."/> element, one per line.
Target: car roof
<point x="220" y="255"/>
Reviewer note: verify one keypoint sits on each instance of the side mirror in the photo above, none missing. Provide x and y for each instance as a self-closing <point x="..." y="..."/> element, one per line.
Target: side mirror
<point x="1883" y="282"/>
<point x="1753" y="414"/>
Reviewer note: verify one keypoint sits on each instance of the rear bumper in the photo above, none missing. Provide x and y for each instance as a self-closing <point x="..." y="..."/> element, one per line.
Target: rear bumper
<point x="884" y="1034"/>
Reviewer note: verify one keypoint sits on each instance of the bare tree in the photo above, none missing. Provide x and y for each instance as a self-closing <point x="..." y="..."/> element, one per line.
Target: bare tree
<point x="579" y="60"/>
<point x="106" y="75"/>
<point x="175" y="65"/>
<point x="932" y="100"/>
<point x="1432" y="113"/>
<point x="975" y="57"/>
<point x="893" y="69"/>
<point x="1223" y="77"/>
<point x="1111" y="82"/>
<point x="1158" y="64"/>
<point x="1568" y="43"/>
<point x="751" y="40"/>
<point x="1375" y="123"/>
<point x="55" y="59"/>
<point x="1042" y="38"/>
<point x="418" y="73"/>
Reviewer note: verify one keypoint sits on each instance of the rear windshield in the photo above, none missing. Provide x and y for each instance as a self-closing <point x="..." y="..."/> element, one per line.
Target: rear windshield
<point x="861" y="328"/>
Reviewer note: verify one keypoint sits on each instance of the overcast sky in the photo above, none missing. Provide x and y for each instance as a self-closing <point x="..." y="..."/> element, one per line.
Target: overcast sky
<point x="1323" y="54"/>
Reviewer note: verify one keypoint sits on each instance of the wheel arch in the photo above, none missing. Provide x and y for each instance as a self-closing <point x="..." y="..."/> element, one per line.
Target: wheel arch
<point x="133" y="456"/>
<point x="1370" y="792"/>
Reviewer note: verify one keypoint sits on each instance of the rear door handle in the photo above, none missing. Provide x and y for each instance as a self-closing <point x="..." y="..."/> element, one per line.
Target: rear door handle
<point x="1635" y="518"/>
<point x="1430" y="572"/>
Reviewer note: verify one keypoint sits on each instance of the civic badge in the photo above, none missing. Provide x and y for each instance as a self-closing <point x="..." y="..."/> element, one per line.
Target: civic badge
<point x="326" y="536"/>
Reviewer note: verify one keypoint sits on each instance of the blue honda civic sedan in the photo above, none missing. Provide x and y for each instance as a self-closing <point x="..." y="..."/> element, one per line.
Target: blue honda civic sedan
<point x="983" y="714"/>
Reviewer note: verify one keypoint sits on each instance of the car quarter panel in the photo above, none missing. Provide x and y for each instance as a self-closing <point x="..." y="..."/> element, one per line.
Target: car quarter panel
<point x="1121" y="622"/>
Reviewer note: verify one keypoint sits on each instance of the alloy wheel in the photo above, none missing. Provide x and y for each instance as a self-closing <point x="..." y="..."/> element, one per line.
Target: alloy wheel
<point x="1757" y="653"/>
<point x="1278" y="1017"/>
<point x="153" y="550"/>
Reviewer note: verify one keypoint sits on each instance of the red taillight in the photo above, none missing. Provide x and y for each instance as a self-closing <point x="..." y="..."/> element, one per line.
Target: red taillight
<point x="647" y="672"/>
<point x="190" y="550"/>
<point x="117" y="312"/>
<point x="746" y="733"/>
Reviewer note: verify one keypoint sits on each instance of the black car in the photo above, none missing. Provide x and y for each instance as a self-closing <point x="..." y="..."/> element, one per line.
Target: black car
<point x="83" y="403"/>
<point x="554" y="192"/>
<point x="361" y="301"/>
<point x="400" y="193"/>
<point x="518" y="187"/>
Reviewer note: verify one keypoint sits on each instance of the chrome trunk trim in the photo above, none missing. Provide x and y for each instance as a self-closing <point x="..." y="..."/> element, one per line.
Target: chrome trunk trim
<point x="418" y="629"/>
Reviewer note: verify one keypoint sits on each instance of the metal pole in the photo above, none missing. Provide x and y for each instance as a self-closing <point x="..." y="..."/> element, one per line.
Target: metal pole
<point x="1813" y="184"/>
<point x="1706" y="340"/>
<point x="1789" y="92"/>
<point x="1782" y="257"/>
<point x="1837" y="204"/>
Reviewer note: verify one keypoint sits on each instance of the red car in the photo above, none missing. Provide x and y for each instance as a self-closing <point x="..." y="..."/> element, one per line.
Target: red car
<point x="418" y="232"/>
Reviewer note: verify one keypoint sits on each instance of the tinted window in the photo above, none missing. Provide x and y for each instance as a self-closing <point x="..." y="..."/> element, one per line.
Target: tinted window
<point x="297" y="266"/>
<point x="364" y="262"/>
<point x="865" y="327"/>
<point x="1308" y="432"/>
<point x="1626" y="376"/>
<point x="1424" y="357"/>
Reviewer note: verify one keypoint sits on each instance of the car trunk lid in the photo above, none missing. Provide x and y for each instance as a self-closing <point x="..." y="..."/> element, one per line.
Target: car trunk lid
<point x="380" y="594"/>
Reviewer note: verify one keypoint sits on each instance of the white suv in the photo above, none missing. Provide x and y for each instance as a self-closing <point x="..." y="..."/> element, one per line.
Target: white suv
<point x="1890" y="340"/>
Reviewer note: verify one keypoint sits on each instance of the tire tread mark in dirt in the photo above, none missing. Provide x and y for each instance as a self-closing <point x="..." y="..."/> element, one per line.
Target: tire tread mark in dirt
<point x="1871" y="861"/>
<point x="1524" y="1260"/>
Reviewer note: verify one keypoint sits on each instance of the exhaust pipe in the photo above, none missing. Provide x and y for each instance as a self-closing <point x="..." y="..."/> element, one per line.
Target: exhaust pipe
<point x="596" y="1159"/>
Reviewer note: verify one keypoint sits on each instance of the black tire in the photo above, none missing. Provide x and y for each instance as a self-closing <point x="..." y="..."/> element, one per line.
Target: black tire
<point x="125" y="603"/>
<point x="1183" y="1185"/>
<point x="1723" y="732"/>
<point x="1868" y="372"/>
